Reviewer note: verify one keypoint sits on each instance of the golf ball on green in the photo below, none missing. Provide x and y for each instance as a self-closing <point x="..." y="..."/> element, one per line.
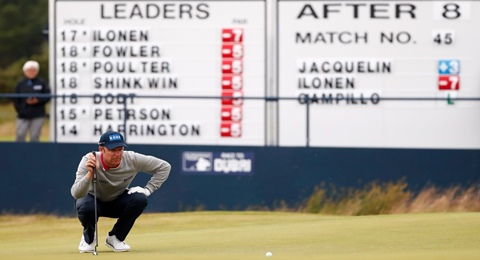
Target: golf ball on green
<point x="268" y="254"/>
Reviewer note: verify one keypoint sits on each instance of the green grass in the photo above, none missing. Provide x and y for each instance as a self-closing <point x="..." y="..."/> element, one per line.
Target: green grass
<point x="249" y="235"/>
<point x="8" y="123"/>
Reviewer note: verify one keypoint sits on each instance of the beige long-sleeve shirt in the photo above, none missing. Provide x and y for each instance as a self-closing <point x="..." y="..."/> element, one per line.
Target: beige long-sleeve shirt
<point x="113" y="182"/>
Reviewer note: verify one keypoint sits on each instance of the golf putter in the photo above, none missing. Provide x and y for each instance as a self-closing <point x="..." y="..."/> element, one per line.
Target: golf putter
<point x="95" y="206"/>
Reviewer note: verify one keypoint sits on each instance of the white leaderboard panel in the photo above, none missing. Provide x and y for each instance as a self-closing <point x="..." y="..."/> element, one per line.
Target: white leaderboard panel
<point x="126" y="54"/>
<point x="342" y="57"/>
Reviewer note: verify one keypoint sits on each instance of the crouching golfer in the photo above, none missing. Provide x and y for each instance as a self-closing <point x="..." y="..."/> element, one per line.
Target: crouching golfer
<point x="115" y="169"/>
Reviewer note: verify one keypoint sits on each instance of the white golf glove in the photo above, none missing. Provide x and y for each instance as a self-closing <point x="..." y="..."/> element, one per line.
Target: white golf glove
<point x="139" y="190"/>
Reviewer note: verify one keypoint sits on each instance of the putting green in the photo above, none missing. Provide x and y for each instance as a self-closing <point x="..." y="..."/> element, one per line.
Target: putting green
<point x="249" y="235"/>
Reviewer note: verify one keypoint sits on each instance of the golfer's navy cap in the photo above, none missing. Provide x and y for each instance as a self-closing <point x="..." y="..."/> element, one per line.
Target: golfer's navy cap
<point x="112" y="140"/>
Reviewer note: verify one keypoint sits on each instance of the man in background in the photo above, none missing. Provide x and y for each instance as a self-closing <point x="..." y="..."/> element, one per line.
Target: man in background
<point x="31" y="109"/>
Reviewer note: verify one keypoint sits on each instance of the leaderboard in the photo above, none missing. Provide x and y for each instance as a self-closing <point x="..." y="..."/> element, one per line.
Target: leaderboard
<point x="161" y="72"/>
<point x="345" y="59"/>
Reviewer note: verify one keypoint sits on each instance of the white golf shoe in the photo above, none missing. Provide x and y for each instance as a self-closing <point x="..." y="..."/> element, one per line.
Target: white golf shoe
<point x="116" y="245"/>
<point x="84" y="247"/>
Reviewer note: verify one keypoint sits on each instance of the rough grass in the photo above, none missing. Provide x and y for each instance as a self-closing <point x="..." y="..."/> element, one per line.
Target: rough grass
<point x="249" y="235"/>
<point x="8" y="124"/>
<point x="391" y="198"/>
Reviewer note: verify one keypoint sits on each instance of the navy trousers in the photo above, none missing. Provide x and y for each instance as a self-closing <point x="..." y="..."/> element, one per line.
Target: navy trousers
<point x="126" y="208"/>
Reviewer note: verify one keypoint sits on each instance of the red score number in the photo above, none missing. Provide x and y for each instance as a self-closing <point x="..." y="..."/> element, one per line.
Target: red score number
<point x="232" y="97"/>
<point x="450" y="82"/>
<point x="233" y="82"/>
<point x="232" y="35"/>
<point x="232" y="113"/>
<point x="232" y="52"/>
<point x="231" y="129"/>
<point x="232" y="66"/>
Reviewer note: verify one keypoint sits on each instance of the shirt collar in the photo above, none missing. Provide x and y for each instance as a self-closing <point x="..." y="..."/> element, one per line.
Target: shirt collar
<point x="104" y="165"/>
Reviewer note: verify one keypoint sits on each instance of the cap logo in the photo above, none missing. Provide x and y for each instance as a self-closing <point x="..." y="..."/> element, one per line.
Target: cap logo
<point x="115" y="137"/>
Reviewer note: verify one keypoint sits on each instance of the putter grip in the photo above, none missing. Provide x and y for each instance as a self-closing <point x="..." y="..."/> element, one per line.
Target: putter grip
<point x="94" y="170"/>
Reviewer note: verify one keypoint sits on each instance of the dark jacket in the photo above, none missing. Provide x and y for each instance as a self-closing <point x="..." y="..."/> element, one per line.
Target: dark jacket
<point x="36" y="85"/>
